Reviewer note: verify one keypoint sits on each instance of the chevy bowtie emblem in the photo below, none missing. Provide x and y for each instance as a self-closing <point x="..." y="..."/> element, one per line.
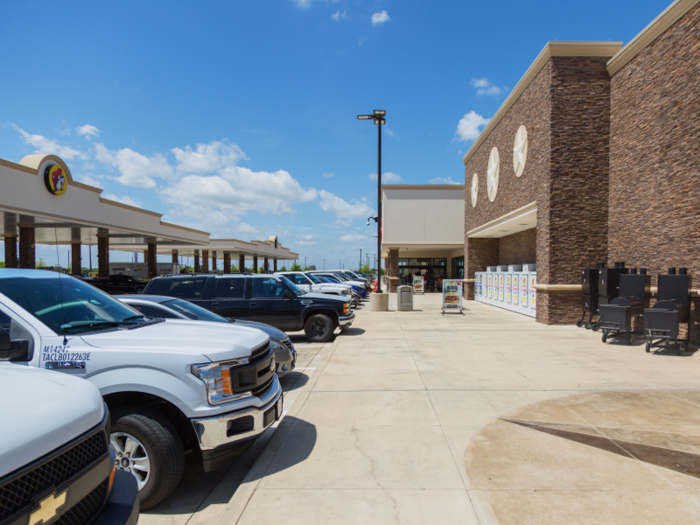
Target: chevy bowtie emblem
<point x="47" y="508"/>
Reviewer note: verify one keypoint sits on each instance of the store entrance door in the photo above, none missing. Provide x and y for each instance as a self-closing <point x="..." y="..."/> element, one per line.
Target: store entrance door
<point x="432" y="270"/>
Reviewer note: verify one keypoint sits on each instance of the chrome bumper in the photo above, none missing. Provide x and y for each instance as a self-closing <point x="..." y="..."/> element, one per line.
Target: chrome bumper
<point x="346" y="320"/>
<point x="213" y="432"/>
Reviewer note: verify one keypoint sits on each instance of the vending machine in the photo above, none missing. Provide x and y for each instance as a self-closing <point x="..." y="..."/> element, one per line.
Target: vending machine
<point x="516" y="291"/>
<point x="490" y="296"/>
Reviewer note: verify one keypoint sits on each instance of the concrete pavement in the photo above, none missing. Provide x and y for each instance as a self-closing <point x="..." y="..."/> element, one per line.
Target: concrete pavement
<point x="486" y="417"/>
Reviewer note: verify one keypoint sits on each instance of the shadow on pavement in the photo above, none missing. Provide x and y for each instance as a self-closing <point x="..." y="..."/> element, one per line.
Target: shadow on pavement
<point x="198" y="490"/>
<point x="293" y="381"/>
<point x="352" y="331"/>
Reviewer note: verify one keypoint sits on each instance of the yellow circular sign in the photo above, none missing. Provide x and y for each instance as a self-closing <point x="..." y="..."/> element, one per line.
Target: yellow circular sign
<point x="55" y="179"/>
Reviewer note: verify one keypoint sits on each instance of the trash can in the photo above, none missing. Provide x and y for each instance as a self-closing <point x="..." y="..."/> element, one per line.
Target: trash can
<point x="404" y="299"/>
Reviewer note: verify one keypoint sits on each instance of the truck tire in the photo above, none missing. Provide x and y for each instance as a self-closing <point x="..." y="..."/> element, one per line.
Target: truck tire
<point x="150" y="438"/>
<point x="319" y="328"/>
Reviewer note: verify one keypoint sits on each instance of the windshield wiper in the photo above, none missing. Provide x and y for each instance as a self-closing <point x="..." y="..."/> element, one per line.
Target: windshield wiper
<point x="88" y="325"/>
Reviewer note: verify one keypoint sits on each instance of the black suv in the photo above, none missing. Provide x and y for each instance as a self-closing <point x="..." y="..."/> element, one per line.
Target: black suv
<point x="269" y="299"/>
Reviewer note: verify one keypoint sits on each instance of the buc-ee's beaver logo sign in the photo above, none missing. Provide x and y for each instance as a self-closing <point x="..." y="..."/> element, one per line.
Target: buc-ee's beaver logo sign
<point x="55" y="179"/>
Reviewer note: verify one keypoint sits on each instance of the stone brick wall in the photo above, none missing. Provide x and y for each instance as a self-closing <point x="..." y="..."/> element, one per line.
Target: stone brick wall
<point x="478" y="254"/>
<point x="566" y="110"/>
<point x="519" y="248"/>
<point x="531" y="110"/>
<point x="654" y="219"/>
<point x="393" y="269"/>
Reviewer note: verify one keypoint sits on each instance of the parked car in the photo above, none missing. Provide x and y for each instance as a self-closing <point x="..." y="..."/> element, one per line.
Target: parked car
<point x="359" y="286"/>
<point x="310" y="283"/>
<point x="55" y="453"/>
<point x="117" y="284"/>
<point x="170" y="387"/>
<point x="159" y="306"/>
<point x="268" y="299"/>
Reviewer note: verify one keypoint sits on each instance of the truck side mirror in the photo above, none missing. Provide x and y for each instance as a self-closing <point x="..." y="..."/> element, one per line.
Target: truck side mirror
<point x="288" y="295"/>
<point x="5" y="343"/>
<point x="14" y="350"/>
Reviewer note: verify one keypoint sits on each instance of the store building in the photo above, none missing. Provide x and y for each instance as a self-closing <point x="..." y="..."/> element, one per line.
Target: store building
<point x="423" y="232"/>
<point x="593" y="158"/>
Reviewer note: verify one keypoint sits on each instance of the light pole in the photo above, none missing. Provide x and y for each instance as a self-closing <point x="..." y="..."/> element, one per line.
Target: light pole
<point x="378" y="116"/>
<point x="359" y="268"/>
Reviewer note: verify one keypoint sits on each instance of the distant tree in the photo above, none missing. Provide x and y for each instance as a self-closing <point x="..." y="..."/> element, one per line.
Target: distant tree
<point x="40" y="263"/>
<point x="2" y="264"/>
<point x="307" y="268"/>
<point x="366" y="270"/>
<point x="283" y="269"/>
<point x="295" y="267"/>
<point x="234" y="269"/>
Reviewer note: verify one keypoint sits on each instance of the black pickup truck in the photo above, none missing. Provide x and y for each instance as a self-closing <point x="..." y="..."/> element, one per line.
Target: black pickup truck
<point x="117" y="284"/>
<point x="269" y="299"/>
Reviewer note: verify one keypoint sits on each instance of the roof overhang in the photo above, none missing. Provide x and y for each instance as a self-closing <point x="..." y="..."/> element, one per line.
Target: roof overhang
<point x="658" y="26"/>
<point x="218" y="247"/>
<point x="551" y="49"/>
<point x="81" y="214"/>
<point x="522" y="219"/>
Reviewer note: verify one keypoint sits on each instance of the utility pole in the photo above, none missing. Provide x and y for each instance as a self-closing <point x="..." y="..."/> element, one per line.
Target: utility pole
<point x="304" y="263"/>
<point x="360" y="267"/>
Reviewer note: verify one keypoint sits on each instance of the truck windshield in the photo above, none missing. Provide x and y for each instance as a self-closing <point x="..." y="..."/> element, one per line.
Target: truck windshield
<point x="73" y="306"/>
<point x="193" y="311"/>
<point x="340" y="276"/>
<point x="293" y="287"/>
<point x="313" y="278"/>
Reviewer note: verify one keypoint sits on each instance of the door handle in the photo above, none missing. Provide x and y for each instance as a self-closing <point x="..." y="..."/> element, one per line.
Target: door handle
<point x="214" y="306"/>
<point x="253" y="304"/>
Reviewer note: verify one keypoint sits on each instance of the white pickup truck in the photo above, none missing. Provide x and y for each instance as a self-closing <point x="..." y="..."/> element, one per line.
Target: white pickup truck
<point x="170" y="387"/>
<point x="309" y="283"/>
<point x="56" y="464"/>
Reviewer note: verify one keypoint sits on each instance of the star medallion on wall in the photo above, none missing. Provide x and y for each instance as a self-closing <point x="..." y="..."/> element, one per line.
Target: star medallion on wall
<point x="520" y="151"/>
<point x="475" y="189"/>
<point x="493" y="173"/>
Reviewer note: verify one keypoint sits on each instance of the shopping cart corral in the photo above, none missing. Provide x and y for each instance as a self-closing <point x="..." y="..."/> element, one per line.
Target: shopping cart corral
<point x="662" y="321"/>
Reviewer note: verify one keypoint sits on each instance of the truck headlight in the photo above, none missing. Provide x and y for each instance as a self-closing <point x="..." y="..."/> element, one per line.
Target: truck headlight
<point x="217" y="379"/>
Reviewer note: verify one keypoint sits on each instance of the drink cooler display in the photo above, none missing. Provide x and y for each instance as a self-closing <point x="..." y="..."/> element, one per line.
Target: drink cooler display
<point x="508" y="287"/>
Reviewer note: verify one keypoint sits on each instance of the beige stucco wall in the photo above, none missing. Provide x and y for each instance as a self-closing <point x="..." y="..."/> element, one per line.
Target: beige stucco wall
<point x="423" y="215"/>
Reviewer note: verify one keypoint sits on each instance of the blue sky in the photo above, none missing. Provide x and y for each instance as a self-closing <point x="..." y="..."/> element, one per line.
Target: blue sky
<point x="239" y="117"/>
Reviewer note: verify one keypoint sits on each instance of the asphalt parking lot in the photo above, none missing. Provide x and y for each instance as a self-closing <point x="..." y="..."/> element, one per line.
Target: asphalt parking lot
<point x="486" y="417"/>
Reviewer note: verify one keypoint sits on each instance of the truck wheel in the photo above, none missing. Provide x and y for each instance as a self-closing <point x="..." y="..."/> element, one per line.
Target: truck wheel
<point x="148" y="447"/>
<point x="318" y="328"/>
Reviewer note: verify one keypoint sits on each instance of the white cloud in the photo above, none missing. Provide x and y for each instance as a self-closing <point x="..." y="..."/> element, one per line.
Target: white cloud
<point x="387" y="176"/>
<point x="246" y="229"/>
<point x="343" y="210"/>
<point x="136" y="170"/>
<point x="468" y="127"/>
<point x="125" y="199"/>
<point x="485" y="87"/>
<point x="305" y="4"/>
<point x="307" y="240"/>
<point x="88" y="131"/>
<point x="443" y="180"/>
<point x="328" y="175"/>
<point x="389" y="132"/>
<point x="337" y="16"/>
<point x="353" y="238"/>
<point x="380" y="18"/>
<point x="90" y="180"/>
<point x="48" y="146"/>
<point x="207" y="157"/>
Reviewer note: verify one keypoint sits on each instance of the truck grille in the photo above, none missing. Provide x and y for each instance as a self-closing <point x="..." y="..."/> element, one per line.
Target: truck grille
<point x="287" y="343"/>
<point x="20" y="492"/>
<point x="259" y="353"/>
<point x="82" y="511"/>
<point x="260" y="390"/>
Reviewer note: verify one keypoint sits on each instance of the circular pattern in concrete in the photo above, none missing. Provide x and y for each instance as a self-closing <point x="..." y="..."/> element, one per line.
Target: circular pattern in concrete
<point x="600" y="457"/>
<point x="493" y="173"/>
<point x="520" y="151"/>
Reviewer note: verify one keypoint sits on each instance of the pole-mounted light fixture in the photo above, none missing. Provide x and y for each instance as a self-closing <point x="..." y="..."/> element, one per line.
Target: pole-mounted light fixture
<point x="378" y="117"/>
